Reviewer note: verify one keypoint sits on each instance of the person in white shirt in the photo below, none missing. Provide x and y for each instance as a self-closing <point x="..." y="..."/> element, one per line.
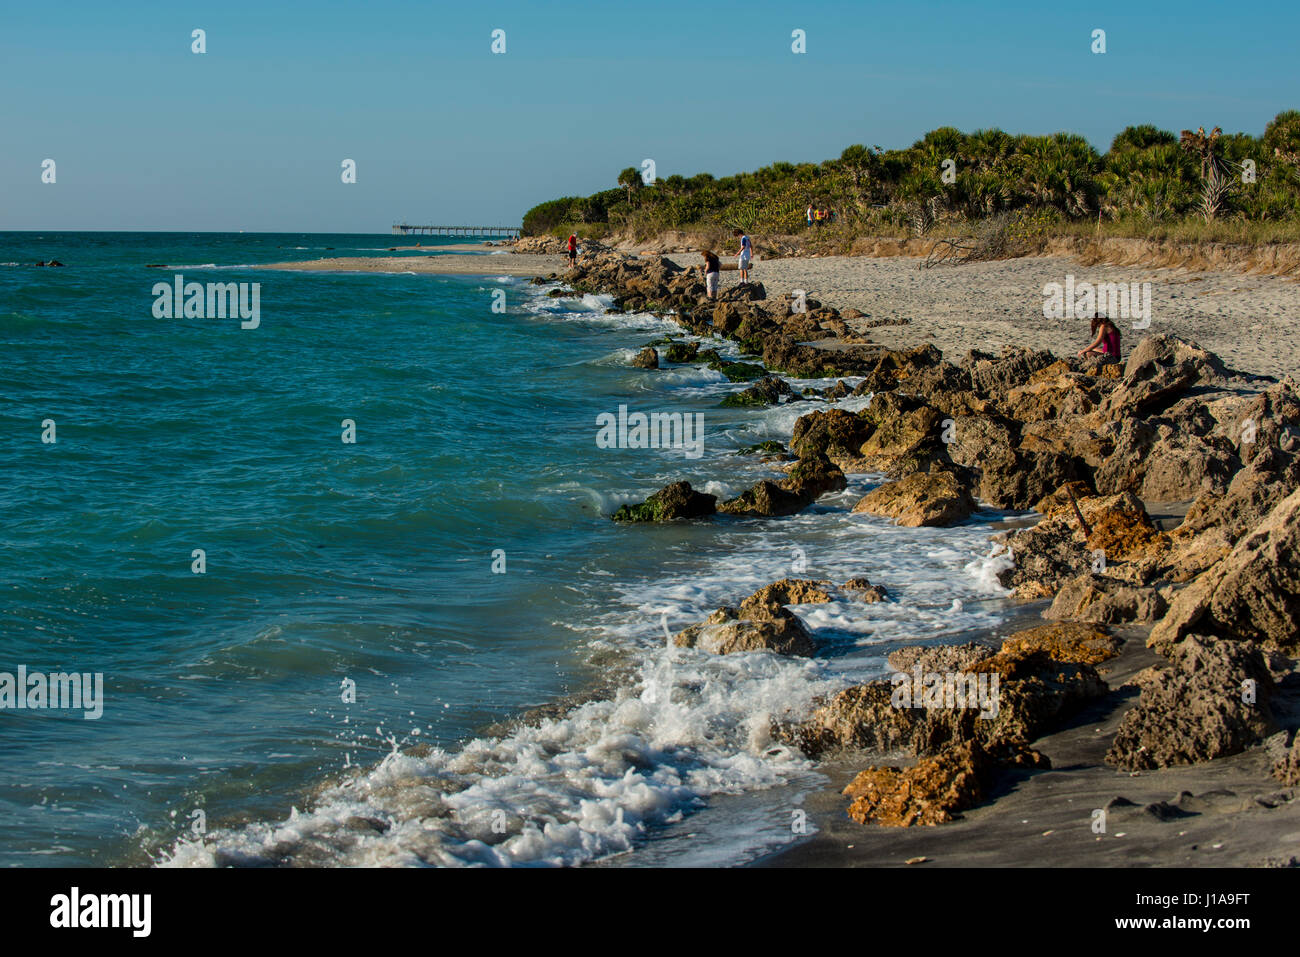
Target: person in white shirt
<point x="746" y="255"/>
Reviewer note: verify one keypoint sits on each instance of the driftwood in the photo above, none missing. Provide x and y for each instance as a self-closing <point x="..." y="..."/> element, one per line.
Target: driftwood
<point x="949" y="252"/>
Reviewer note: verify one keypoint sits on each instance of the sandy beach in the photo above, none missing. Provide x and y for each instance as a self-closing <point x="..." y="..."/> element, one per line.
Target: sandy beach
<point x="1224" y="813"/>
<point x="1252" y="322"/>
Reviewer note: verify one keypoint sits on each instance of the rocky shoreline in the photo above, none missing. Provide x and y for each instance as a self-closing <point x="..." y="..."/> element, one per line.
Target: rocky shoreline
<point x="1088" y="446"/>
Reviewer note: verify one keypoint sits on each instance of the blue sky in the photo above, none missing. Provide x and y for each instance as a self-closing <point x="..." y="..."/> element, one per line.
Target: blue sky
<point x="251" y="135"/>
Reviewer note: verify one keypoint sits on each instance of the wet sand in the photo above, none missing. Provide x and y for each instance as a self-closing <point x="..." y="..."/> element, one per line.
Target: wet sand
<point x="1226" y="813"/>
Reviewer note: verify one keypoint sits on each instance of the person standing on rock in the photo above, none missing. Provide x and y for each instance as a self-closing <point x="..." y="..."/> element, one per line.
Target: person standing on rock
<point x="573" y="250"/>
<point x="712" y="269"/>
<point x="1105" y="341"/>
<point x="745" y="255"/>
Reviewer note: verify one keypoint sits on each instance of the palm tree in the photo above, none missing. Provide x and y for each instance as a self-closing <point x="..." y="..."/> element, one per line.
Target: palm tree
<point x="1198" y="144"/>
<point x="630" y="180"/>
<point x="1215" y="184"/>
<point x="1140" y="138"/>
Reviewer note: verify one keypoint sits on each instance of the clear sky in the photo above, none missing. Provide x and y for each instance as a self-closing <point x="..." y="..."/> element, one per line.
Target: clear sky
<point x="252" y="134"/>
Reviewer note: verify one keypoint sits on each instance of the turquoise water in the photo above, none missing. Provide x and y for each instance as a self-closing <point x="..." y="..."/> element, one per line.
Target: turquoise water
<point x="373" y="563"/>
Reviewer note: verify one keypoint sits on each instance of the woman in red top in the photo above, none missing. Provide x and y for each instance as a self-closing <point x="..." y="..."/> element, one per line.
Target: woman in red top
<point x="573" y="250"/>
<point x="1105" y="341"/>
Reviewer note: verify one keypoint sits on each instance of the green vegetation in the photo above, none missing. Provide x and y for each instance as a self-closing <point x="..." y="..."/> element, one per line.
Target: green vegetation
<point x="1150" y="183"/>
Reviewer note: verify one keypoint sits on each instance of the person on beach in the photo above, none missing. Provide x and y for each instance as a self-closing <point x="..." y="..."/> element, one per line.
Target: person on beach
<point x="809" y="214"/>
<point x="573" y="250"/>
<point x="712" y="268"/>
<point x="746" y="254"/>
<point x="1105" y="342"/>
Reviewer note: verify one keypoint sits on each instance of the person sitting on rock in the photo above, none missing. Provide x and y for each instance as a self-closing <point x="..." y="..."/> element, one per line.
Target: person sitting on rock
<point x="712" y="268"/>
<point x="1105" y="341"/>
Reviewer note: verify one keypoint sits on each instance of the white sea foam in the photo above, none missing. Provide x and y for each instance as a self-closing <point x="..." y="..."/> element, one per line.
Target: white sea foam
<point x="690" y="725"/>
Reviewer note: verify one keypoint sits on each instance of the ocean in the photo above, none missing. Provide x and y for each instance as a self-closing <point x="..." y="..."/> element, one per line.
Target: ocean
<point x="351" y="583"/>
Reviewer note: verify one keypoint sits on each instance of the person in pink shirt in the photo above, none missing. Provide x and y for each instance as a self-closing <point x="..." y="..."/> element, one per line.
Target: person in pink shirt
<point x="1105" y="342"/>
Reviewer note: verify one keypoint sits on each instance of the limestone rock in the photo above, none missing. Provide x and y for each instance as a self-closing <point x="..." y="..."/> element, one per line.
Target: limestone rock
<point x="674" y="501"/>
<point x="1104" y="601"/>
<point x="863" y="590"/>
<point x="931" y="792"/>
<point x="939" y="657"/>
<point x="1252" y="595"/>
<point x="788" y="591"/>
<point x="922" y="498"/>
<point x="755" y="628"/>
<point x="1193" y="710"/>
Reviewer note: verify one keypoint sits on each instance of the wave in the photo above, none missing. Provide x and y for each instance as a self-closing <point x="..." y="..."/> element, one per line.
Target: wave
<point x="601" y="777"/>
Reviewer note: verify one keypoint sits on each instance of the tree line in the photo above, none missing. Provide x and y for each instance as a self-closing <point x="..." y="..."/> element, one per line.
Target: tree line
<point x="1149" y="178"/>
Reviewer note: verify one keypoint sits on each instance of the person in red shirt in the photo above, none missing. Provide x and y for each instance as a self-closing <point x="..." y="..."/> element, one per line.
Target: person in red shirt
<point x="573" y="250"/>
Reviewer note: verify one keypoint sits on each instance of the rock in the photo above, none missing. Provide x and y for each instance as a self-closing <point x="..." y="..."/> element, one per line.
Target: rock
<point x="1100" y="600"/>
<point x="765" y="499"/>
<point x="739" y="371"/>
<point x="1011" y="475"/>
<point x="931" y="792"/>
<point x="813" y="476"/>
<point x="1266" y="479"/>
<point x="863" y="590"/>
<point x="766" y="628"/>
<point x="1060" y="498"/>
<point x="647" y="358"/>
<point x="788" y="591"/>
<point x="833" y="432"/>
<point x="766" y="391"/>
<point x="744" y="292"/>
<point x="728" y="316"/>
<point x="1161" y="464"/>
<point x="1064" y="397"/>
<point x="1035" y="688"/>
<point x="1170" y="351"/>
<point x="1268" y="421"/>
<point x="1252" y="595"/>
<point x="1159" y="370"/>
<point x="906" y="436"/>
<point x="993" y="377"/>
<point x="1066" y="642"/>
<point x="1192" y="711"/>
<point x="682" y="351"/>
<point x="923" y="498"/>
<point x="783" y="352"/>
<point x="939" y="657"/>
<point x="674" y="501"/>
<point x="1056" y="549"/>
<point x="1287" y="767"/>
<point x="810" y="478"/>
<point x="1072" y="441"/>
<point x="838" y="391"/>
